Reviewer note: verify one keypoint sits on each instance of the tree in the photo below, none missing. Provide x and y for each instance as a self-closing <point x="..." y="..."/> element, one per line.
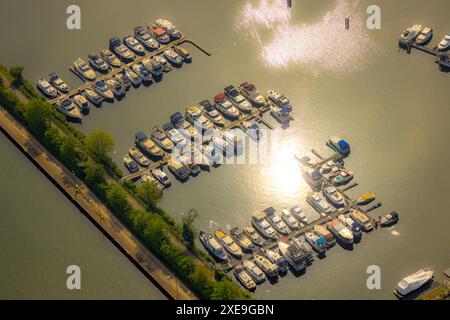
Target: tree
<point x="17" y="74"/>
<point x="71" y="153"/>
<point x="93" y="175"/>
<point x="116" y="199"/>
<point x="38" y="116"/>
<point x="226" y="290"/>
<point x="202" y="279"/>
<point x="100" y="143"/>
<point x="189" y="231"/>
<point x="149" y="192"/>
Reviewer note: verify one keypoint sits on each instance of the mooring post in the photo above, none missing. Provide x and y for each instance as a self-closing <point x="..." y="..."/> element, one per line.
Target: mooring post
<point x="347" y="23"/>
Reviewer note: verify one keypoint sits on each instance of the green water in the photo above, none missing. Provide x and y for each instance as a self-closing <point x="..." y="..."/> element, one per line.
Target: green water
<point x="391" y="107"/>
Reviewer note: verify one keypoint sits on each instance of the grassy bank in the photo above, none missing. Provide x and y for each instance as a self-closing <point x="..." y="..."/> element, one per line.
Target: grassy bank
<point x="93" y="165"/>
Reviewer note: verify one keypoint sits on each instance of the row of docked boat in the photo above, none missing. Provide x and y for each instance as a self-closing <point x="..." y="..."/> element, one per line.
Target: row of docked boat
<point x="422" y="36"/>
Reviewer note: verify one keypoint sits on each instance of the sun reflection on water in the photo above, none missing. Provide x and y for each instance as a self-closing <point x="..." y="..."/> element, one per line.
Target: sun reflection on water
<point x="325" y="43"/>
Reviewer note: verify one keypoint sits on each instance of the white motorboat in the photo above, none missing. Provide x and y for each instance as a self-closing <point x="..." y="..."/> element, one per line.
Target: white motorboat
<point x="244" y="277"/>
<point x="238" y="99"/>
<point x="409" y="35"/>
<point x="213" y="246"/>
<point x="318" y="203"/>
<point x="293" y="254"/>
<point x="226" y="107"/>
<point x="58" y="83"/>
<point x="46" y="88"/>
<point x="261" y="224"/>
<point x="340" y="231"/>
<point x="209" y="111"/>
<point x="298" y="214"/>
<point x="256" y="273"/>
<point x="69" y="109"/>
<point x="84" y="70"/>
<point x="250" y="92"/>
<point x="103" y="90"/>
<point x="139" y="157"/>
<point x="413" y="282"/>
<point x="133" y="77"/>
<point x="141" y="34"/>
<point x="173" y="57"/>
<point x="276" y="222"/>
<point x="424" y="36"/>
<point x="110" y="58"/>
<point x="334" y="196"/>
<point x="115" y="86"/>
<point x="98" y="63"/>
<point x="278" y="259"/>
<point x="289" y="219"/>
<point x="444" y="44"/>
<point x="130" y="164"/>
<point x="93" y="97"/>
<point x="134" y="45"/>
<point x="81" y="103"/>
<point x="121" y="50"/>
<point x="162" y="177"/>
<point x="169" y="27"/>
<point x="252" y="129"/>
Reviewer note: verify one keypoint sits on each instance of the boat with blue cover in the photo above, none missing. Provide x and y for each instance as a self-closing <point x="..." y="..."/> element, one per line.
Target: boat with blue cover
<point x="339" y="145"/>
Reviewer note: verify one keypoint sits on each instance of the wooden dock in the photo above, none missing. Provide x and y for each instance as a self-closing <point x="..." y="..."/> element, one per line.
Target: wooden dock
<point x="88" y="84"/>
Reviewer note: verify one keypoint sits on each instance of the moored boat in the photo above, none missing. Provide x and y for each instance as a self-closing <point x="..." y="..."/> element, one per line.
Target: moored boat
<point x="81" y="102"/>
<point x="185" y="128"/>
<point x="180" y="171"/>
<point x="244" y="278"/>
<point x="226" y="107"/>
<point x="312" y="176"/>
<point x="209" y="111"/>
<point x="318" y="243"/>
<point x="413" y="282"/>
<point x="173" y="57"/>
<point x="134" y="78"/>
<point x="169" y="27"/>
<point x="134" y="45"/>
<point x="424" y="36"/>
<point x="409" y="35"/>
<point x="161" y="139"/>
<point x="252" y="129"/>
<point x="121" y="50"/>
<point x="365" y="199"/>
<point x="142" y="72"/>
<point x="277" y="259"/>
<point x="195" y="117"/>
<point x="238" y="99"/>
<point x="174" y="135"/>
<point x="160" y="34"/>
<point x="339" y="145"/>
<point x="322" y="231"/>
<point x="58" y="83"/>
<point x="343" y="177"/>
<point x="213" y="246"/>
<point x="93" y="97"/>
<point x="141" y="34"/>
<point x="46" y="88"/>
<point x="340" y="231"/>
<point x="334" y="196"/>
<point x="280" y="114"/>
<point x="261" y="224"/>
<point x="256" y="273"/>
<point x="269" y="268"/>
<point x="98" y="63"/>
<point x="241" y="239"/>
<point x="139" y="157"/>
<point x="362" y="218"/>
<point x="353" y="225"/>
<point x="251" y="233"/>
<point x="183" y="52"/>
<point x="130" y="164"/>
<point x="276" y="222"/>
<point x="69" y="109"/>
<point x="389" y="219"/>
<point x="115" y="86"/>
<point x="103" y="90"/>
<point x="123" y="79"/>
<point x="280" y="100"/>
<point x="293" y="254"/>
<point x="444" y="44"/>
<point x="161" y="177"/>
<point x="289" y="219"/>
<point x="228" y="243"/>
<point x="84" y="70"/>
<point x="318" y="203"/>
<point x="298" y="214"/>
<point x="110" y="58"/>
<point x="250" y="92"/>
<point x="147" y="145"/>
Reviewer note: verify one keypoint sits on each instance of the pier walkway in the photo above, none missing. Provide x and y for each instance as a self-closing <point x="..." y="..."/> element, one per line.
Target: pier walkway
<point x="93" y="208"/>
<point x="88" y="84"/>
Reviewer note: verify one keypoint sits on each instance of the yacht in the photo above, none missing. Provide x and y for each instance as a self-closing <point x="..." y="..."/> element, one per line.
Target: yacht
<point x="226" y="107"/>
<point x="130" y="164"/>
<point x="58" y="83"/>
<point x="280" y="100"/>
<point x="252" y="129"/>
<point x="124" y="54"/>
<point x="343" y="177"/>
<point x="161" y="139"/>
<point x="161" y="35"/>
<point x="256" y="273"/>
<point x="444" y="61"/>
<point x="340" y="231"/>
<point x="98" y="63"/>
<point x="276" y="222"/>
<point x="213" y="246"/>
<point x="174" y="135"/>
<point x="277" y="259"/>
<point x="110" y="58"/>
<point x="69" y="109"/>
<point x="147" y="178"/>
<point x="261" y="224"/>
<point x="244" y="278"/>
<point x="280" y="114"/>
<point x="322" y="231"/>
<point x="93" y="97"/>
<point x="133" y="77"/>
<point x="183" y="52"/>
<point x="180" y="171"/>
<point x="293" y="254"/>
<point x="269" y="268"/>
<point x="334" y="196"/>
<point x="312" y="176"/>
<point x="155" y="68"/>
<point x="298" y="214"/>
<point x="444" y="45"/>
<point x="170" y="28"/>
<point x="83" y="69"/>
<point x="305" y="247"/>
<point x="318" y="243"/>
<point x="142" y="72"/>
<point x="139" y="157"/>
<point x="81" y="103"/>
<point x="339" y="145"/>
<point x="115" y="86"/>
<point x="147" y="145"/>
<point x="195" y="117"/>
<point x="365" y="199"/>
<point x="103" y="90"/>
<point x="318" y="203"/>
<point x="228" y="244"/>
<point x="362" y="219"/>
<point x="181" y="124"/>
<point x="389" y="219"/>
<point x="141" y="34"/>
<point x="241" y="239"/>
<point x="209" y="111"/>
<point x="123" y="79"/>
<point x="164" y="63"/>
<point x="162" y="177"/>
<point x="238" y="99"/>
<point x="134" y="45"/>
<point x="413" y="282"/>
<point x="353" y="225"/>
<point x="47" y="89"/>
<point x="173" y="57"/>
<point x="211" y="153"/>
<point x="250" y="92"/>
<point x="251" y="233"/>
<point x="409" y="35"/>
<point x="289" y="219"/>
<point x="424" y="36"/>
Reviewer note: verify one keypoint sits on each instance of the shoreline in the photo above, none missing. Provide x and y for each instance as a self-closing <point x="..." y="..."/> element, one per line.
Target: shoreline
<point x="94" y="210"/>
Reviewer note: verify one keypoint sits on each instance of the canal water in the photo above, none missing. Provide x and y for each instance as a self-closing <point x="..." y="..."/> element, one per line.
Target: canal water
<point x="390" y="106"/>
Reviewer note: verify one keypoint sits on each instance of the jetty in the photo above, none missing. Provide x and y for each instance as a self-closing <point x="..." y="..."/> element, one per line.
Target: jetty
<point x="114" y="71"/>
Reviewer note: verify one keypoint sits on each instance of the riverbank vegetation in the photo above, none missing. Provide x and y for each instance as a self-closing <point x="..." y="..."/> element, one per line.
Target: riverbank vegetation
<point x="88" y="157"/>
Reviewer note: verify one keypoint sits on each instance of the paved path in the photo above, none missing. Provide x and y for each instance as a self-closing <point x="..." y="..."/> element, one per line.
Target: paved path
<point x="79" y="194"/>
